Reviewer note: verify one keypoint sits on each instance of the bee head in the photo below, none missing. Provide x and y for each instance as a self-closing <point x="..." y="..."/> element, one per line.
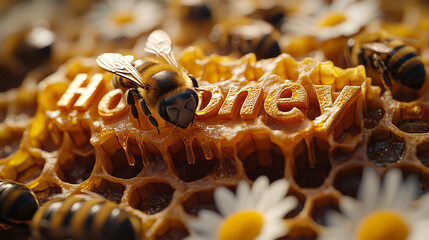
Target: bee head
<point x="179" y="109"/>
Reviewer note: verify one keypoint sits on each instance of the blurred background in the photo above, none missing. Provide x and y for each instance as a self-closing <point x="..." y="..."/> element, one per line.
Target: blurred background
<point x="37" y="36"/>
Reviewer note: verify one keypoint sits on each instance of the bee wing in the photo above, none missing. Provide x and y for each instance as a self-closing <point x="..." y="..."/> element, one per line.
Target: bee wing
<point x="120" y="65"/>
<point x="159" y="43"/>
<point x="377" y="47"/>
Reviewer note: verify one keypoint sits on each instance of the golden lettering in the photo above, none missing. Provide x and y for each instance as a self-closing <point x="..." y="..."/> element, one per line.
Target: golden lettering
<point x="112" y="105"/>
<point x="81" y="92"/>
<point x="251" y="98"/>
<point x="214" y="104"/>
<point x="286" y="109"/>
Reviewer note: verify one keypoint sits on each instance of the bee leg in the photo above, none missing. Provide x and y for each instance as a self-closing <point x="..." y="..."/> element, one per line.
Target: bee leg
<point x="147" y="112"/>
<point x="381" y="68"/>
<point x="131" y="102"/>
<point x="194" y="81"/>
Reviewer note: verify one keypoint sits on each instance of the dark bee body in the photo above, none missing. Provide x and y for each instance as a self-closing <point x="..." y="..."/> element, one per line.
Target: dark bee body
<point x="405" y="66"/>
<point x="255" y="36"/>
<point x="392" y="59"/>
<point x="17" y="203"/>
<point x="82" y="217"/>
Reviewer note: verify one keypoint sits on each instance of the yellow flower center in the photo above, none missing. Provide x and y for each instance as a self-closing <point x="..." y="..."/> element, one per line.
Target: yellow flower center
<point x="244" y="225"/>
<point x="331" y="19"/>
<point x="383" y="224"/>
<point x="122" y="16"/>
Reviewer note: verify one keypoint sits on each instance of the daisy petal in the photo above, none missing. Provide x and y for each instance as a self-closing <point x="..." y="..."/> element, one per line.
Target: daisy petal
<point x="276" y="191"/>
<point x="225" y="200"/>
<point x="282" y="208"/>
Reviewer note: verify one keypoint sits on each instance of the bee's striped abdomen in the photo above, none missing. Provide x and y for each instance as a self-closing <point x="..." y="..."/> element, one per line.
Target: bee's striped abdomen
<point x="17" y="202"/>
<point x="406" y="67"/>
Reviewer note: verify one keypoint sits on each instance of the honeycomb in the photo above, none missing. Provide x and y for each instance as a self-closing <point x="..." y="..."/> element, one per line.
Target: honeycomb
<point x="308" y="121"/>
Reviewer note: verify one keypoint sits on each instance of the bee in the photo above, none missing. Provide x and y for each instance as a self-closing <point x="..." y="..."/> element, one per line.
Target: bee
<point x="392" y="58"/>
<point x="163" y="86"/>
<point x="84" y="217"/>
<point x="17" y="202"/>
<point x="247" y="36"/>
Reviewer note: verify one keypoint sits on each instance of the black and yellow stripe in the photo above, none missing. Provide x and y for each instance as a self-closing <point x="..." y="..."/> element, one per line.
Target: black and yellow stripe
<point x="17" y="202"/>
<point x="84" y="217"/>
<point x="406" y="67"/>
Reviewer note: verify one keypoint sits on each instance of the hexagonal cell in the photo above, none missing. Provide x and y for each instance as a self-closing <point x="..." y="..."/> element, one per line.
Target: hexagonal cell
<point x="421" y="174"/>
<point x="109" y="190"/>
<point x="311" y="165"/>
<point x="75" y="165"/>
<point x="340" y="155"/>
<point x="117" y="158"/>
<point x="155" y="162"/>
<point x="182" y="156"/>
<point x="51" y="138"/>
<point x="298" y="232"/>
<point x="347" y="180"/>
<point x="151" y="198"/>
<point x="261" y="157"/>
<point x="198" y="201"/>
<point x="349" y="126"/>
<point x="423" y="153"/>
<point x="412" y="119"/>
<point x="321" y="206"/>
<point x="9" y="141"/>
<point x="44" y="194"/>
<point x="33" y="171"/>
<point x="172" y="229"/>
<point x="385" y="148"/>
<point x="373" y="113"/>
<point x="226" y="165"/>
<point x="301" y="202"/>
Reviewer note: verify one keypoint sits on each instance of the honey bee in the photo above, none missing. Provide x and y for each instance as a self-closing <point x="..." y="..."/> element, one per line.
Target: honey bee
<point x="84" y="217"/>
<point x="17" y="202"/>
<point x="247" y="36"/>
<point x="163" y="86"/>
<point x="392" y="58"/>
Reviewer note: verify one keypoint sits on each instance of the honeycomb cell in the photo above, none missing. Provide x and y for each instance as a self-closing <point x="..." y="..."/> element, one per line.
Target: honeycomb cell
<point x="301" y="202"/>
<point x="312" y="164"/>
<point x="75" y="166"/>
<point x="422" y="176"/>
<point x="347" y="180"/>
<point x="198" y="201"/>
<point x="423" y="153"/>
<point x="109" y="190"/>
<point x="321" y="206"/>
<point x="155" y="161"/>
<point x="261" y="157"/>
<point x="32" y="172"/>
<point x="117" y="160"/>
<point x="9" y="141"/>
<point x="172" y="229"/>
<point x="151" y="198"/>
<point x="43" y="195"/>
<point x="187" y="170"/>
<point x="412" y="119"/>
<point x="385" y="148"/>
<point x="373" y="113"/>
<point x="341" y="155"/>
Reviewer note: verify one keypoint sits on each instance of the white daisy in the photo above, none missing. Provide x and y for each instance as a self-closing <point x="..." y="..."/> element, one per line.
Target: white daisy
<point x="381" y="211"/>
<point x="341" y="18"/>
<point x="253" y="213"/>
<point x="128" y="18"/>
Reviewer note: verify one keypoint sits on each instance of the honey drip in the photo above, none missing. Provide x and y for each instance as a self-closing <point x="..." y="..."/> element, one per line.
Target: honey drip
<point x="144" y="152"/>
<point x="123" y="140"/>
<point x="208" y="154"/>
<point x="189" y="151"/>
<point x="310" y="151"/>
